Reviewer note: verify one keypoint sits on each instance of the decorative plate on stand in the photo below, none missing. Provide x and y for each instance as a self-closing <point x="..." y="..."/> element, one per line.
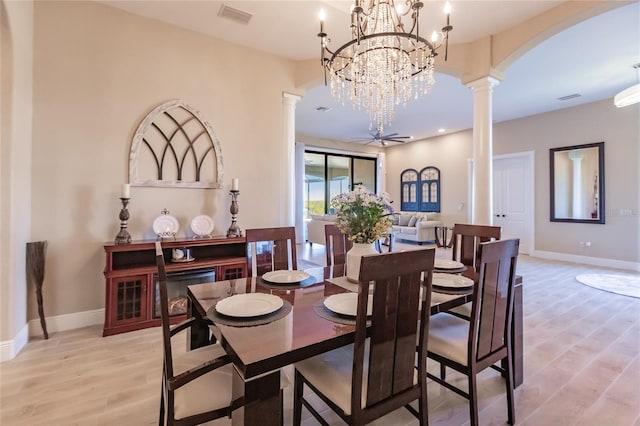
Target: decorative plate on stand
<point x="202" y="226"/>
<point x="165" y="225"/>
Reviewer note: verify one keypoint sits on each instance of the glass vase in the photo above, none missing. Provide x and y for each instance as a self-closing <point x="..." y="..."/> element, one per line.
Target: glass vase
<point x="353" y="259"/>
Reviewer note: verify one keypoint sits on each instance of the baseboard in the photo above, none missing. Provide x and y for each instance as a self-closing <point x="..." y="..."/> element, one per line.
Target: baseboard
<point x="11" y="348"/>
<point x="67" y="322"/>
<point x="596" y="261"/>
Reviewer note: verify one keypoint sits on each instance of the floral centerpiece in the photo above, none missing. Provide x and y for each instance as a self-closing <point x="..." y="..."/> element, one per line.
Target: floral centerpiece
<point x="364" y="217"/>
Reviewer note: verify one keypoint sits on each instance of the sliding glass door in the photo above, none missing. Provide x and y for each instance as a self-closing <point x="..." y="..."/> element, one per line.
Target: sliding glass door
<point x="328" y="175"/>
<point x="339" y="175"/>
<point x="314" y="181"/>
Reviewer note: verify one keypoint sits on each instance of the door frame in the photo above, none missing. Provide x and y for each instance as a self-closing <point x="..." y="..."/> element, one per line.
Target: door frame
<point x="529" y="156"/>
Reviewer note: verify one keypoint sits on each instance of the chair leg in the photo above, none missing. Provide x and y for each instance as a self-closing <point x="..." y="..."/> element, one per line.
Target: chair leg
<point x="473" y="400"/>
<point x="422" y="405"/>
<point x="161" y="417"/>
<point x="509" y="382"/>
<point x="443" y="371"/>
<point x="297" y="398"/>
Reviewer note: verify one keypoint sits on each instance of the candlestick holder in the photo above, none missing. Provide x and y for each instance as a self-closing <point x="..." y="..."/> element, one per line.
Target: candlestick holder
<point x="123" y="236"/>
<point x="234" y="229"/>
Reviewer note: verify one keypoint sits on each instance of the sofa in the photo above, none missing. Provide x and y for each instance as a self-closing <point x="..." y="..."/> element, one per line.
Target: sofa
<point x="315" y="227"/>
<point x="416" y="226"/>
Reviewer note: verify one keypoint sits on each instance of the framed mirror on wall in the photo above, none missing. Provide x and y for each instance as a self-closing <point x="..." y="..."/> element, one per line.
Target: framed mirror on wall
<point x="577" y="183"/>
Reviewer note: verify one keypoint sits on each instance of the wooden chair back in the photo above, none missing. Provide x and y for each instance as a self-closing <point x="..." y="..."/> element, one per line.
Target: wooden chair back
<point x="164" y="311"/>
<point x="172" y="380"/>
<point x="493" y="302"/>
<point x="271" y="249"/>
<point x="337" y="245"/>
<point x="399" y="319"/>
<point x="466" y="240"/>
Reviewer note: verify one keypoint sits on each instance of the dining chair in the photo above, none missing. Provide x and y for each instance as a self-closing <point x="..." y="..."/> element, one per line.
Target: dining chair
<point x="377" y="374"/>
<point x="271" y="249"/>
<point x="471" y="346"/>
<point x="337" y="245"/>
<point x="466" y="240"/>
<point x="196" y="386"/>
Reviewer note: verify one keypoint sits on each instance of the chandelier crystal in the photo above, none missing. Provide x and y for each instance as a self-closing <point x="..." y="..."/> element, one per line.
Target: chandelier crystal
<point x="383" y="65"/>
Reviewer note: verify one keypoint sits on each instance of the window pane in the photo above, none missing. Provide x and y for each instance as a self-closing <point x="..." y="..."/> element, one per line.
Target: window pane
<point x="338" y="173"/>
<point x="434" y="193"/>
<point x="314" y="193"/>
<point x="409" y="176"/>
<point x="364" y="172"/>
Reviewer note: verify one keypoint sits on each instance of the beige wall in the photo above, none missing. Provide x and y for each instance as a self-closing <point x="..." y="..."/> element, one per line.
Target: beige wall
<point x="97" y="72"/>
<point x="618" y="239"/>
<point x="595" y="122"/>
<point x="449" y="153"/>
<point x="16" y="101"/>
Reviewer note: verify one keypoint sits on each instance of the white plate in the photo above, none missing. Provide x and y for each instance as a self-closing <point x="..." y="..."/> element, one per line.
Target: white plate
<point x="202" y="225"/>
<point x="285" y="277"/>
<point x="447" y="264"/>
<point x="166" y="225"/>
<point x="346" y="304"/>
<point x="451" y="281"/>
<point x="249" y="305"/>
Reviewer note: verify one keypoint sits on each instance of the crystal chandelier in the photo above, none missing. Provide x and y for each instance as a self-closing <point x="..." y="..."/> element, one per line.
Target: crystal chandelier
<point x="383" y="65"/>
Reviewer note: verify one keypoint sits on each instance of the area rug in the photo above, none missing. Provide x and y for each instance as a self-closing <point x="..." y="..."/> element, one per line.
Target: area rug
<point x="627" y="285"/>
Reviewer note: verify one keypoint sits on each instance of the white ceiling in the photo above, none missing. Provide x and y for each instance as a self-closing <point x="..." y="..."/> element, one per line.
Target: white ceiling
<point x="594" y="58"/>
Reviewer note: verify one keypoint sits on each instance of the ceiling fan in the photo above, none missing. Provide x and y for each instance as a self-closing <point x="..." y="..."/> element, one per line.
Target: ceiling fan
<point x="384" y="139"/>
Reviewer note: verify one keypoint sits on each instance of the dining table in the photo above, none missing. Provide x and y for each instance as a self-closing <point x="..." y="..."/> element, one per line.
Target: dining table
<point x="260" y="347"/>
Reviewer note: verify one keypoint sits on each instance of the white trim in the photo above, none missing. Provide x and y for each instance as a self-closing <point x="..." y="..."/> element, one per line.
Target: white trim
<point x="11" y="348"/>
<point x="596" y="261"/>
<point x="67" y="322"/>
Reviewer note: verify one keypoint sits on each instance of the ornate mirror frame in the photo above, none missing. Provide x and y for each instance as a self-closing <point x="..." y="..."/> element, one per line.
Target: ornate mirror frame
<point x="577" y="183"/>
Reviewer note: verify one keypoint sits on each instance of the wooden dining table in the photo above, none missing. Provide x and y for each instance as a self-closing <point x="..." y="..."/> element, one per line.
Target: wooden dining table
<point x="259" y="352"/>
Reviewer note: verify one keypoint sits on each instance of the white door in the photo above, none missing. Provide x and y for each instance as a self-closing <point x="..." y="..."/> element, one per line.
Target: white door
<point x="513" y="198"/>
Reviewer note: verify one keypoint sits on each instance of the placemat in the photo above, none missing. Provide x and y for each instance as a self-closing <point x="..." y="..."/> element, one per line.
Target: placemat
<point x="328" y="314"/>
<point x="446" y="290"/>
<point x="217" y="318"/>
<point x="294" y="286"/>
<point x="450" y="271"/>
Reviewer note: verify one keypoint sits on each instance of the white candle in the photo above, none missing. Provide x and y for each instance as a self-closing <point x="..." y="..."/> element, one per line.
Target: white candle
<point x="126" y="191"/>
<point x="235" y="184"/>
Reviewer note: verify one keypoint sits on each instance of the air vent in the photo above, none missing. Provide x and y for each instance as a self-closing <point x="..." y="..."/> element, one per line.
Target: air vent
<point x="234" y="14"/>
<point x="566" y="98"/>
<point x="322" y="109"/>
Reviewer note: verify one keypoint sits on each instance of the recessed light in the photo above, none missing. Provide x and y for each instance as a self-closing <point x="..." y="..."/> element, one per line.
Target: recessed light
<point x="441" y="130"/>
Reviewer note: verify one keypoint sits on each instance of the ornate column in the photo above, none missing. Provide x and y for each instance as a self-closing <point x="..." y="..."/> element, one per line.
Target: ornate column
<point x="482" y="190"/>
<point x="289" y="184"/>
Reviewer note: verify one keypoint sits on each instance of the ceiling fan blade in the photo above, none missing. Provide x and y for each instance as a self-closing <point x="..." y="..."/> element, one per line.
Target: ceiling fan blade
<point x="388" y="136"/>
<point x="395" y="140"/>
<point x="402" y="137"/>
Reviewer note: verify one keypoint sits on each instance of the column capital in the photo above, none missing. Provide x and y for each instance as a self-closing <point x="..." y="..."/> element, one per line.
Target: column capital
<point x="484" y="83"/>
<point x="290" y="98"/>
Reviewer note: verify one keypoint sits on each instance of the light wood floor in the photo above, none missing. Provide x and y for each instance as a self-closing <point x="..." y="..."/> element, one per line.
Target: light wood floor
<point x="582" y="366"/>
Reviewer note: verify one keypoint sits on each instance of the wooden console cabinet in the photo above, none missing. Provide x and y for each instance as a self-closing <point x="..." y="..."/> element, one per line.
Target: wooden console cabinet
<point x="130" y="274"/>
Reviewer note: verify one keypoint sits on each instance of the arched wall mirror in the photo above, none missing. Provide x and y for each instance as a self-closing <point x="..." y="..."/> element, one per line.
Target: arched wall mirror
<point x="577" y="183"/>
